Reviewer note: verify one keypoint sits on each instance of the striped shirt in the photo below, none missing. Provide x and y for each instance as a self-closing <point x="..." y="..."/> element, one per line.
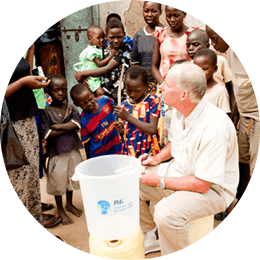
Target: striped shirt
<point x="99" y="129"/>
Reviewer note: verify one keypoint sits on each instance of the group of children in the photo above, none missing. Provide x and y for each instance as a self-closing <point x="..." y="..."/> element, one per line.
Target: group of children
<point x="106" y="127"/>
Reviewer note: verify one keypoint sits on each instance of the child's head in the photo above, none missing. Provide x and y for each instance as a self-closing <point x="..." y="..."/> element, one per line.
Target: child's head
<point x="217" y="42"/>
<point x="113" y="16"/>
<point x="115" y="33"/>
<point x="96" y="36"/>
<point x="83" y="97"/>
<point x="178" y="62"/>
<point x="207" y="60"/>
<point x="174" y="17"/>
<point x="152" y="12"/>
<point x="136" y="81"/>
<point x="197" y="40"/>
<point x="57" y="88"/>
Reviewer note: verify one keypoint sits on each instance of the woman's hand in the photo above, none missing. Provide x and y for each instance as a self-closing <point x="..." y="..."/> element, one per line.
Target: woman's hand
<point x="121" y="113"/>
<point x="31" y="82"/>
<point x="35" y="82"/>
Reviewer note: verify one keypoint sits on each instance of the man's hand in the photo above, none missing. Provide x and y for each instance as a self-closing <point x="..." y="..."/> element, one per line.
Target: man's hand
<point x="150" y="179"/>
<point x="150" y="161"/>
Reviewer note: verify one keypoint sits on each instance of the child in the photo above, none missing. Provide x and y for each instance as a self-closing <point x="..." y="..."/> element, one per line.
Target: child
<point x="90" y="58"/>
<point x="98" y="131"/>
<point x="170" y="44"/>
<point x="144" y="41"/>
<point x="112" y="71"/>
<point x="198" y="40"/>
<point x="139" y="114"/>
<point x="127" y="39"/>
<point x="216" y="93"/>
<point x="58" y="125"/>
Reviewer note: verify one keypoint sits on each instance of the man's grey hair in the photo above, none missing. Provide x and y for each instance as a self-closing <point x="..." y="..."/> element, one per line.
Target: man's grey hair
<point x="192" y="79"/>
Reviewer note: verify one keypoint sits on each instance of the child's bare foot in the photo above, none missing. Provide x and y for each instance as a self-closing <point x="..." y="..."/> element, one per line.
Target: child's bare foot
<point x="65" y="219"/>
<point x="71" y="208"/>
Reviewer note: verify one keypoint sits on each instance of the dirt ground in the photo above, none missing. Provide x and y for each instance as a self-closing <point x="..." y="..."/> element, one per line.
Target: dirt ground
<point x="76" y="234"/>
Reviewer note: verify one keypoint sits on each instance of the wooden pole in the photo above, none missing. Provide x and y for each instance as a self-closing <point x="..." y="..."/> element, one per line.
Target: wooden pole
<point x="120" y="85"/>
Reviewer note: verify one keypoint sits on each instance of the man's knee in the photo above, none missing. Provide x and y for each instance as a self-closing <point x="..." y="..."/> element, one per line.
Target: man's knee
<point x="166" y="217"/>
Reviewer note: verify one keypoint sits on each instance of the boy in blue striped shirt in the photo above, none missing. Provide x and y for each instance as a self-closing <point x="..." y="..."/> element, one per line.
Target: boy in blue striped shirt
<point x="98" y="132"/>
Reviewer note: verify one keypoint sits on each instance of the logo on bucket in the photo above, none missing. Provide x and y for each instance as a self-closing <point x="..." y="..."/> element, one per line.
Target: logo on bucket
<point x="103" y="207"/>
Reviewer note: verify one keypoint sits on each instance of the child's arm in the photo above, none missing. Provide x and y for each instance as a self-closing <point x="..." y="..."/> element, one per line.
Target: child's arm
<point x="69" y="126"/>
<point x="56" y="133"/>
<point x="81" y="75"/>
<point x="102" y="63"/>
<point x="150" y="128"/>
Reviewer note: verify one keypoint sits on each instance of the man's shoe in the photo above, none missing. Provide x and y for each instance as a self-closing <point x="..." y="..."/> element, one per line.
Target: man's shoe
<point x="151" y="241"/>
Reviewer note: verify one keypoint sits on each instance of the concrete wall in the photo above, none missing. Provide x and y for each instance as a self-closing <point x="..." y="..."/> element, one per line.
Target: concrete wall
<point x="131" y="12"/>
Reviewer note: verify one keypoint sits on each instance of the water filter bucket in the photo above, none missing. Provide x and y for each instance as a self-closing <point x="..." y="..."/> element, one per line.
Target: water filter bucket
<point x="110" y="190"/>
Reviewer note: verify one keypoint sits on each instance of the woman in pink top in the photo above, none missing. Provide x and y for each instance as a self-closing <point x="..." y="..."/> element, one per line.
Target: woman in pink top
<point x="170" y="44"/>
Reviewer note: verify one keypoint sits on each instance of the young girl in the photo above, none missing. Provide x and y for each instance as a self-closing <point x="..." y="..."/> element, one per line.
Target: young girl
<point x="111" y="72"/>
<point x="170" y="44"/>
<point x="144" y="41"/>
<point x="139" y="114"/>
<point x="91" y="57"/>
<point x="58" y="125"/>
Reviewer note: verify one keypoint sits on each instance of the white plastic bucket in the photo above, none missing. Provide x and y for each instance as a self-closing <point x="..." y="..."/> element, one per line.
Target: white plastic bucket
<point x="110" y="196"/>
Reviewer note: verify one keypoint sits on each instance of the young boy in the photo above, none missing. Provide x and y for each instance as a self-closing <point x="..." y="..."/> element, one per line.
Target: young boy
<point x="98" y="132"/>
<point x="249" y="110"/>
<point x="216" y="93"/>
<point x="59" y="123"/>
<point x="198" y="40"/>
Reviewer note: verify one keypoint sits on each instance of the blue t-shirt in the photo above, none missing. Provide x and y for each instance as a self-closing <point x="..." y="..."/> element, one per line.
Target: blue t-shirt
<point x="99" y="129"/>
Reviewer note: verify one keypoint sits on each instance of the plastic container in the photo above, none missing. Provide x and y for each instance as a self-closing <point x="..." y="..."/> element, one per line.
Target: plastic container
<point x="110" y="190"/>
<point x="131" y="247"/>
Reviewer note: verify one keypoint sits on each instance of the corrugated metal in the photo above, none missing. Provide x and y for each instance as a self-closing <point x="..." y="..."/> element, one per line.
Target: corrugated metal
<point x="74" y="42"/>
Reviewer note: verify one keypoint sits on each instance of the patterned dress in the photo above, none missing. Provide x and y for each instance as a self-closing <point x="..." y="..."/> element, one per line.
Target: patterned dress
<point x="171" y="49"/>
<point x="22" y="108"/>
<point x="86" y="62"/>
<point x="136" y="142"/>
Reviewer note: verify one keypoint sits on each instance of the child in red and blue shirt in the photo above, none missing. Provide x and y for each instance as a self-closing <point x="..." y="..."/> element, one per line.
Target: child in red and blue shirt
<point x="98" y="133"/>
